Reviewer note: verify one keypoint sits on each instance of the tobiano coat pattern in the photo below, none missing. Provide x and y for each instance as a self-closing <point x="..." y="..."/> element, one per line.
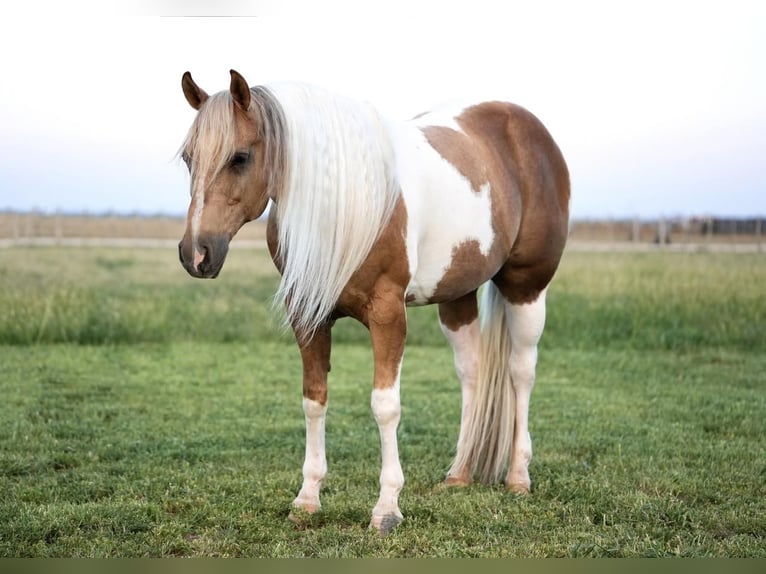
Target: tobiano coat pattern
<point x="372" y="215"/>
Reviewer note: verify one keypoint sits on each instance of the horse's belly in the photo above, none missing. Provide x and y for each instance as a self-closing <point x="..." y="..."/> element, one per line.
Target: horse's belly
<point x="419" y="294"/>
<point x="464" y="273"/>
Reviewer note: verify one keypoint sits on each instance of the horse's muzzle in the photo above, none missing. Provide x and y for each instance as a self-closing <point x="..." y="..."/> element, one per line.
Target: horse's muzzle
<point x="205" y="259"/>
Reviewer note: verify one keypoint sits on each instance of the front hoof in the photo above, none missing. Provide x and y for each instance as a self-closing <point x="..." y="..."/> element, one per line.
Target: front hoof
<point x="386" y="523"/>
<point x="301" y="515"/>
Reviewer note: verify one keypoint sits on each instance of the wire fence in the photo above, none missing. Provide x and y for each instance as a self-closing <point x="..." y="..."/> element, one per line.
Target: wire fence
<point x="672" y="230"/>
<point x="713" y="233"/>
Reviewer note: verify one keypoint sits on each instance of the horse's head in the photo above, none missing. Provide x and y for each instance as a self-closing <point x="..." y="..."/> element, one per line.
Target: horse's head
<point x="230" y="161"/>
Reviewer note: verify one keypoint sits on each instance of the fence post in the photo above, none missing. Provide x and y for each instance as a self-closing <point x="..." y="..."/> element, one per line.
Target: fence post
<point x="662" y="231"/>
<point x="58" y="231"/>
<point x="29" y="224"/>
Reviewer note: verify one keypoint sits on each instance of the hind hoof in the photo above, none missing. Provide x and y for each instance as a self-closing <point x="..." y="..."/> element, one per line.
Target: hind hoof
<point x="519" y="488"/>
<point x="456" y="481"/>
<point x="386" y="523"/>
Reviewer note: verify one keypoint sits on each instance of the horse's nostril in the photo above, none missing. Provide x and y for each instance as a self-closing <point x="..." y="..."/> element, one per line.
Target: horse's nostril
<point x="200" y="257"/>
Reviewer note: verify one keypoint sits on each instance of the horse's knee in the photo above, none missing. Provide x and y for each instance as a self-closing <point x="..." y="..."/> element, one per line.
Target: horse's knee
<point x="386" y="406"/>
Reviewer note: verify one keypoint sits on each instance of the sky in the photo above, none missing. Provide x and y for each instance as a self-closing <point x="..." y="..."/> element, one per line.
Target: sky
<point x="658" y="107"/>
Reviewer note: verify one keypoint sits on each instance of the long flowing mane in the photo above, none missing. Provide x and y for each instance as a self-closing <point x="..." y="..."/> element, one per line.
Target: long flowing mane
<point x="338" y="196"/>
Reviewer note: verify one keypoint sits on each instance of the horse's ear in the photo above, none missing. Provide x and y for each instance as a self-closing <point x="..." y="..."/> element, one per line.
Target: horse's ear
<point x="239" y="89"/>
<point x="195" y="95"/>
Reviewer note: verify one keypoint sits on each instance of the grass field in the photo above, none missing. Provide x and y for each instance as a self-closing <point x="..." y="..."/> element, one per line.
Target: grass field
<point x="145" y="413"/>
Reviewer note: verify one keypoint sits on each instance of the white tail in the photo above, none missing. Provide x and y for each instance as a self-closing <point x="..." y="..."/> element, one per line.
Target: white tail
<point x="487" y="439"/>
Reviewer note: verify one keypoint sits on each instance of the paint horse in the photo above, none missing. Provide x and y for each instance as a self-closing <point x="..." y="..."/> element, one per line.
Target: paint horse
<point x="370" y="216"/>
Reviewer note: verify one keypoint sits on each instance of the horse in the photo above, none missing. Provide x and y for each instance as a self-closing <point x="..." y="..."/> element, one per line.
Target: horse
<point x="370" y="216"/>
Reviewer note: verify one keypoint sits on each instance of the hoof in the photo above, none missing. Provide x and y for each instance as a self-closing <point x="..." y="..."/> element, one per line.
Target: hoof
<point x="519" y="488"/>
<point x="386" y="523"/>
<point x="301" y="515"/>
<point x="456" y="481"/>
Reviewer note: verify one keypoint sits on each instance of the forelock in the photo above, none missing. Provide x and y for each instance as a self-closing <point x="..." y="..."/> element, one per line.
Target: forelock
<point x="212" y="138"/>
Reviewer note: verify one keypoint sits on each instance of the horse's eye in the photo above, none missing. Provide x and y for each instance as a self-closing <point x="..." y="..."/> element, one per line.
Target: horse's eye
<point x="239" y="159"/>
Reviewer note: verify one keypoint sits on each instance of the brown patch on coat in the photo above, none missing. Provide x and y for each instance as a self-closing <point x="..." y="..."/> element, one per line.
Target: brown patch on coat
<point x="529" y="186"/>
<point x="457" y="149"/>
<point x="315" y="355"/>
<point x="468" y="269"/>
<point x="385" y="271"/>
<point x="460" y="312"/>
<point x="542" y="179"/>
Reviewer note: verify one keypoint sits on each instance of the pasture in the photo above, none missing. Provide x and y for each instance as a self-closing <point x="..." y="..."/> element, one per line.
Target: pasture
<point x="146" y="413"/>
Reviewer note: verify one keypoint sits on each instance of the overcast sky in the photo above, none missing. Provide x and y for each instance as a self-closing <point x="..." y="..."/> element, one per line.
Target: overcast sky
<point x="659" y="107"/>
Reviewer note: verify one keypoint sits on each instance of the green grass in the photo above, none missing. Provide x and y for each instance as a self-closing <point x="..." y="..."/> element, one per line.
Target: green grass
<point x="148" y="414"/>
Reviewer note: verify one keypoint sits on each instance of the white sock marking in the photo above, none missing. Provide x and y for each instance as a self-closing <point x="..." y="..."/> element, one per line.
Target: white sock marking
<point x="386" y="408"/>
<point x="315" y="462"/>
<point x="465" y="346"/>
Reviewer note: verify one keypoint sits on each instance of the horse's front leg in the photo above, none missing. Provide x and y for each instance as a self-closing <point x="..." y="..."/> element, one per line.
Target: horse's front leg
<point x="315" y="354"/>
<point x="388" y="330"/>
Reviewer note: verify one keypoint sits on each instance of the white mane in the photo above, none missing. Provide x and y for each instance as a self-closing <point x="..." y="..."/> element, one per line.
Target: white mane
<point x="339" y="194"/>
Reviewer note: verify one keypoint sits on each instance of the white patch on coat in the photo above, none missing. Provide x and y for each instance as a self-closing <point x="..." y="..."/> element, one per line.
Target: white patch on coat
<point x="443" y="209"/>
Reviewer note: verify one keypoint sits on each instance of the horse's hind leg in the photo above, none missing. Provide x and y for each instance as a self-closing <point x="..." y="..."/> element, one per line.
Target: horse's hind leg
<point x="459" y="321"/>
<point x="526" y="322"/>
<point x="315" y="354"/>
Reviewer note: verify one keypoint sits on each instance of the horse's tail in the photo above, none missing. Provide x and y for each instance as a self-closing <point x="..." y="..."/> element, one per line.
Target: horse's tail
<point x="487" y="439"/>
